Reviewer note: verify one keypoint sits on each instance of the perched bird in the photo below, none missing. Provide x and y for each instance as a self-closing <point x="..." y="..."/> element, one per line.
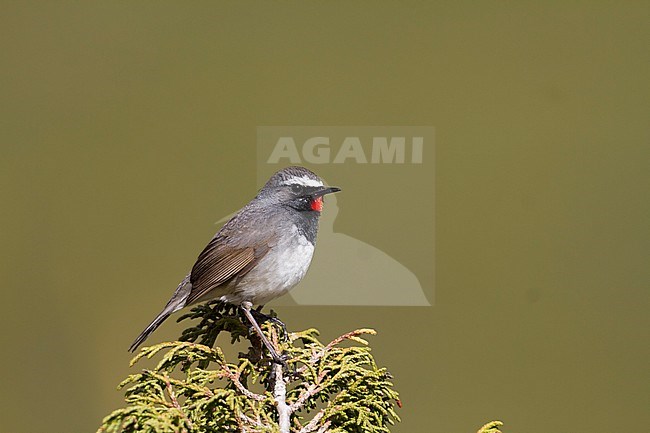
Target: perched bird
<point x="260" y="253"/>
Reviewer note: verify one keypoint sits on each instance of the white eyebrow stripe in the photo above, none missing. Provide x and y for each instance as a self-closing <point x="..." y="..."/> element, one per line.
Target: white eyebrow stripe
<point x="304" y="181"/>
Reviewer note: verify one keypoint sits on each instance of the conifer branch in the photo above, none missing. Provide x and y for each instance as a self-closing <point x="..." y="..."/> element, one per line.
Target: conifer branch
<point x="325" y="388"/>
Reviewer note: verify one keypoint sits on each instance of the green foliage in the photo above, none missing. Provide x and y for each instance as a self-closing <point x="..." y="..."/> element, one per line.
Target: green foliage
<point x="491" y="427"/>
<point x="334" y="388"/>
<point x="324" y="388"/>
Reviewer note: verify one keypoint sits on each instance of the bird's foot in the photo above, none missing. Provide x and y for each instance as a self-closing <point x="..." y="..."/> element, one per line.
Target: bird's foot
<point x="280" y="359"/>
<point x="261" y="318"/>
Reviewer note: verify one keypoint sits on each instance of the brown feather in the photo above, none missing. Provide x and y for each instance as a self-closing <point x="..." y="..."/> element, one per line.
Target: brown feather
<point x="219" y="263"/>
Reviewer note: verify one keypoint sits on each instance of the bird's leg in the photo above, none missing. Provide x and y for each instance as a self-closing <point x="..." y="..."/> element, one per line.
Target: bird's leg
<point x="246" y="308"/>
<point x="257" y="313"/>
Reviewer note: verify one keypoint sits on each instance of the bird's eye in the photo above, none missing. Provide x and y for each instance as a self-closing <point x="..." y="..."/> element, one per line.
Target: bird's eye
<point x="296" y="188"/>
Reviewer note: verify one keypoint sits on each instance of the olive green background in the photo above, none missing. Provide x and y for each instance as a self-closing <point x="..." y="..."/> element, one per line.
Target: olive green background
<point x="128" y="128"/>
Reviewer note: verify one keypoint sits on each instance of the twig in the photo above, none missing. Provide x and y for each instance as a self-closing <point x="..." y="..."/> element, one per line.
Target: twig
<point x="172" y="397"/>
<point x="313" y="424"/>
<point x="324" y="427"/>
<point x="308" y="393"/>
<point x="352" y="335"/>
<point x="234" y="378"/>
<point x="248" y="421"/>
<point x="280" y="395"/>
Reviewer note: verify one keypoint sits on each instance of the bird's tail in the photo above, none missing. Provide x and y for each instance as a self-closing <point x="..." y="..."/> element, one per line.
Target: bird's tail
<point x="149" y="329"/>
<point x="177" y="302"/>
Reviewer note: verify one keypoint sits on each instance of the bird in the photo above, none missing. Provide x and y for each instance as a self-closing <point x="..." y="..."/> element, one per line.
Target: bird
<point x="263" y="251"/>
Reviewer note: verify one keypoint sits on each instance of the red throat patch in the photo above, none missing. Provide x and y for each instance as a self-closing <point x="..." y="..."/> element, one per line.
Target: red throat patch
<point x="317" y="204"/>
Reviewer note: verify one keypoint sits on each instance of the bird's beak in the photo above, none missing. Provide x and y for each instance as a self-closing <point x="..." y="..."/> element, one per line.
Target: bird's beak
<point x="321" y="192"/>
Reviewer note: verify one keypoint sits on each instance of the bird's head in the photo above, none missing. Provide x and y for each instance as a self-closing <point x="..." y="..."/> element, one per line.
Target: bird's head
<point x="297" y="188"/>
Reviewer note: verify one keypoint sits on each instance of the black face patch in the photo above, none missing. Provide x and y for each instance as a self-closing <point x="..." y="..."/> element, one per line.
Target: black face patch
<point x="307" y="224"/>
<point x="297" y="189"/>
